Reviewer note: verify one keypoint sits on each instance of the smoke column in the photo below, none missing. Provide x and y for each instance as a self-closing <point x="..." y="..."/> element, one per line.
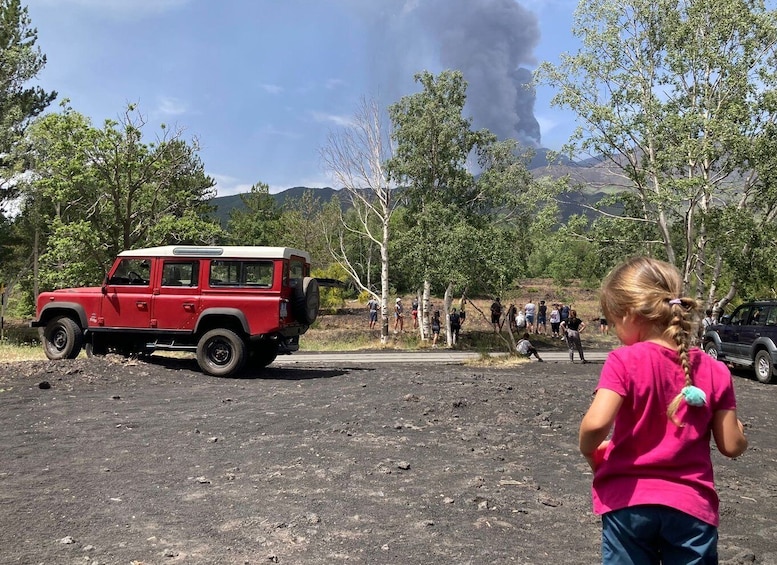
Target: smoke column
<point x="490" y="41"/>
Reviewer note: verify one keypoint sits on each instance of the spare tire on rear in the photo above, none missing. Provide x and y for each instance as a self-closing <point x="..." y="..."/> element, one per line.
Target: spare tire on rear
<point x="305" y="303"/>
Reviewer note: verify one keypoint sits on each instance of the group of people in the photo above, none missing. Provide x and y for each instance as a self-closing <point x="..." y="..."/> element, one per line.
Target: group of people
<point x="564" y="324"/>
<point x="456" y="318"/>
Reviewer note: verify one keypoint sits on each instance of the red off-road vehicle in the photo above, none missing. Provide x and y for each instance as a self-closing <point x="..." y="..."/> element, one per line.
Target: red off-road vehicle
<point x="231" y="306"/>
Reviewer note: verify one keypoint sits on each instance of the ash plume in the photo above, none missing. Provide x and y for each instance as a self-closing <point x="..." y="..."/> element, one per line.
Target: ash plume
<point x="490" y="41"/>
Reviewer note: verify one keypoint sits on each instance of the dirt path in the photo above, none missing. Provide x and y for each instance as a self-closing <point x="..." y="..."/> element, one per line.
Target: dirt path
<point x="121" y="463"/>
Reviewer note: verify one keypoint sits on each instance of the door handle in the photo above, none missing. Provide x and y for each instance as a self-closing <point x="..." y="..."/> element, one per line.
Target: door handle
<point x="188" y="306"/>
<point x="142" y="305"/>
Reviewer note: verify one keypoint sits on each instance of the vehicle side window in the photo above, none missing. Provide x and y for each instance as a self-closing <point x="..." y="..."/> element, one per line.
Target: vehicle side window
<point x="771" y="316"/>
<point x="758" y="316"/>
<point x="241" y="273"/>
<point x="132" y="272"/>
<point x="259" y="273"/>
<point x="740" y="316"/>
<point x="180" y="273"/>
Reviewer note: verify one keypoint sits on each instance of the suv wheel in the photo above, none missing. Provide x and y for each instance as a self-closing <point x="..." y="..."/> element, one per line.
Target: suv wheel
<point x="221" y="353"/>
<point x="711" y="349"/>
<point x="62" y="339"/>
<point x="763" y="367"/>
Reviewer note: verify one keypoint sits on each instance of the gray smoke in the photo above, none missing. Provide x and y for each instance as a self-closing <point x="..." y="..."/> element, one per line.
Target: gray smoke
<point x="490" y="41"/>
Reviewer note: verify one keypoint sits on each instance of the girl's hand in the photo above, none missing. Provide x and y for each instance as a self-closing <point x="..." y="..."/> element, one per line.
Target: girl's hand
<point x="596" y="458"/>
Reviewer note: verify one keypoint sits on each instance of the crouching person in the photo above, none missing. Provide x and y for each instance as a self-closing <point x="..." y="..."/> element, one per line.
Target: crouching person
<point x="525" y="348"/>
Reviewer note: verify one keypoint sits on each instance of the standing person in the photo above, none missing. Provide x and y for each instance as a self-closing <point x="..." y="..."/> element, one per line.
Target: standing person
<point x="653" y="480"/>
<point x="373" y="306"/>
<point x="511" y="311"/>
<point x="708" y="319"/>
<point x="555" y="321"/>
<point x="564" y="312"/>
<point x="604" y="328"/>
<point x="399" y="321"/>
<point x="414" y="312"/>
<point x="572" y="328"/>
<point x="496" y="314"/>
<point x="531" y="312"/>
<point x="525" y="348"/>
<point x="455" y="321"/>
<point x="542" y="318"/>
<point x="564" y="316"/>
<point x="520" y="321"/>
<point x="462" y="313"/>
<point x="436" y="322"/>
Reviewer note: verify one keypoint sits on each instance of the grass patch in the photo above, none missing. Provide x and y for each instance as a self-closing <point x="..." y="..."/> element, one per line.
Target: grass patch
<point x="10" y="352"/>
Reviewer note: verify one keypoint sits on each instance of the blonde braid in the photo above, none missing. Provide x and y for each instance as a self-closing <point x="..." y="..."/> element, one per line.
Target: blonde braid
<point x="680" y="332"/>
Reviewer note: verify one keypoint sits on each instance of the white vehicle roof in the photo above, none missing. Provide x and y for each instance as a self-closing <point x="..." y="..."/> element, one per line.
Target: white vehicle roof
<point x="218" y="252"/>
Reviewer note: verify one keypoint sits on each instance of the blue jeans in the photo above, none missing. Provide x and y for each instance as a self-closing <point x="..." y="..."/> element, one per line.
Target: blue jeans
<point x="652" y="534"/>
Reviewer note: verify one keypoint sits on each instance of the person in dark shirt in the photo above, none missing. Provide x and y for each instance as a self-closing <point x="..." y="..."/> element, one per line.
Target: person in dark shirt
<point x="572" y="327"/>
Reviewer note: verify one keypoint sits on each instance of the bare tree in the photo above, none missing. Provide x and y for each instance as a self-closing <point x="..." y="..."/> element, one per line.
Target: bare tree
<point x="355" y="156"/>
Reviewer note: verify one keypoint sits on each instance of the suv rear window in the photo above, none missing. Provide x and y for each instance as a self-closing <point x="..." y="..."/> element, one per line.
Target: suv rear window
<point x="254" y="274"/>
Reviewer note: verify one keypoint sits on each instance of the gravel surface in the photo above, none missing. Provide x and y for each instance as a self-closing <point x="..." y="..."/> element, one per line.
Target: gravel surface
<point x="115" y="461"/>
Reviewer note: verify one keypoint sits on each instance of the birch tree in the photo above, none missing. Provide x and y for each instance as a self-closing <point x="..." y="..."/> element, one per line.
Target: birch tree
<point x="677" y="97"/>
<point x="356" y="156"/>
<point x="459" y="228"/>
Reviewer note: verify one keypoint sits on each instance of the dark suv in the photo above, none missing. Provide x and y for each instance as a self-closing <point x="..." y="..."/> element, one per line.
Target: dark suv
<point x="748" y="337"/>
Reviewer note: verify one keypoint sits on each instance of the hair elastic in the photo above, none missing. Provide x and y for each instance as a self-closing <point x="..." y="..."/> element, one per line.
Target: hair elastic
<point x="694" y="396"/>
<point x="675" y="301"/>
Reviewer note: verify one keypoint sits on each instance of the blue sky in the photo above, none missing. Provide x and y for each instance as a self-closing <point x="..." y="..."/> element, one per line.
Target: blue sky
<point x="261" y="83"/>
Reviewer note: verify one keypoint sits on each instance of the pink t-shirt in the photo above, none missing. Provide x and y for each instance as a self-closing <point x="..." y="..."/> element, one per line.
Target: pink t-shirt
<point x="651" y="460"/>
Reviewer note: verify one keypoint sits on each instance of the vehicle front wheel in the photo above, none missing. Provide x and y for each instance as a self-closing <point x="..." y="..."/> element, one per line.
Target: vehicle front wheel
<point x="62" y="339"/>
<point x="711" y="349"/>
<point x="221" y="353"/>
<point x="764" y="370"/>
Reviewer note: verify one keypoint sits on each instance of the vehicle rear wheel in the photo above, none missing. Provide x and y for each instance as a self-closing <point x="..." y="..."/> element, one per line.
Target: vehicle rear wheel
<point x="262" y="354"/>
<point x="764" y="370"/>
<point x="62" y="339"/>
<point x="712" y="350"/>
<point x="221" y="353"/>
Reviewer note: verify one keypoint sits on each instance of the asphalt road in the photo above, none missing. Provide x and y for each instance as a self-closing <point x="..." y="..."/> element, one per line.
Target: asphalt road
<point x="416" y="357"/>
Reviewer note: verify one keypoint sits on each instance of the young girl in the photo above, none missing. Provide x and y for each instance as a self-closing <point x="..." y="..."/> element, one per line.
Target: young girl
<point x="653" y="482"/>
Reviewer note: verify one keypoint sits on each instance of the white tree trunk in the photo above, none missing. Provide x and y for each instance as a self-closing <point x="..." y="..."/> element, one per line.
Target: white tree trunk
<point x="426" y="301"/>
<point x="447" y="302"/>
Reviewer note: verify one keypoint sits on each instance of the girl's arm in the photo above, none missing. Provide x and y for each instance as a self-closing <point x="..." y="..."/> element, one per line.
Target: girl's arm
<point x="598" y="421"/>
<point x="729" y="433"/>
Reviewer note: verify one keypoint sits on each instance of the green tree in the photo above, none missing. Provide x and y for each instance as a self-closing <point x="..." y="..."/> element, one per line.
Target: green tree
<point x="302" y="226"/>
<point x="258" y="221"/>
<point x="102" y="191"/>
<point x="451" y="214"/>
<point x="20" y="62"/>
<point x="676" y="97"/>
